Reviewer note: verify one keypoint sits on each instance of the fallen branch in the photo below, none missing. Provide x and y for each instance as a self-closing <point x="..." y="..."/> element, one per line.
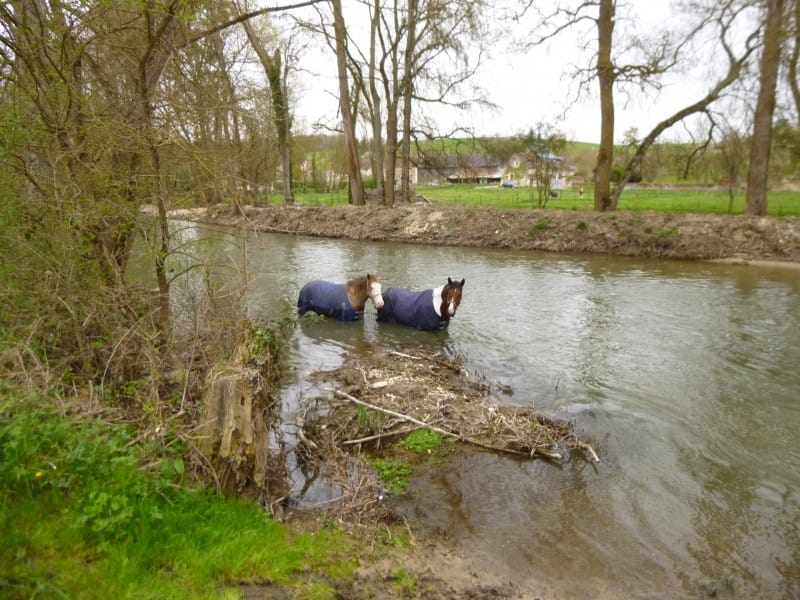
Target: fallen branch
<point x="378" y="436"/>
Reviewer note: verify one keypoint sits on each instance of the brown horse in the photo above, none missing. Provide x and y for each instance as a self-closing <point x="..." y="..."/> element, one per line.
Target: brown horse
<point x="343" y="301"/>
<point x="427" y="309"/>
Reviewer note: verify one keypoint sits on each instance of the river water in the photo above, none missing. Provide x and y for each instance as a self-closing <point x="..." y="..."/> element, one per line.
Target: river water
<point x="685" y="377"/>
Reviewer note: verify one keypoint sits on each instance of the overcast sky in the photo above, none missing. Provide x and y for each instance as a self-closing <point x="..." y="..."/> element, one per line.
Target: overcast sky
<point x="529" y="88"/>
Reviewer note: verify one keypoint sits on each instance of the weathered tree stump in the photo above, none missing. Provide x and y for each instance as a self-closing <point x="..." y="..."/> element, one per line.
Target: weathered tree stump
<point x="235" y="433"/>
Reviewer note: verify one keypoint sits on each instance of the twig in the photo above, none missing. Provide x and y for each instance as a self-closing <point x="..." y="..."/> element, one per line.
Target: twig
<point x="588" y="448"/>
<point x="402" y="355"/>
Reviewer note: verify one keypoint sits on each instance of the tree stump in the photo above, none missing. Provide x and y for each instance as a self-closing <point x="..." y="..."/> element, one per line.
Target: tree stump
<point x="235" y="430"/>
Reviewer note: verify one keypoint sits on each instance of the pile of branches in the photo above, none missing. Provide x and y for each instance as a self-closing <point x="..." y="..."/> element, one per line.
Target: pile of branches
<point x="388" y="395"/>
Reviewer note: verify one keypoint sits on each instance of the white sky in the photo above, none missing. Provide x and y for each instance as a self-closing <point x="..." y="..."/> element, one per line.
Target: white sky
<point x="529" y="88"/>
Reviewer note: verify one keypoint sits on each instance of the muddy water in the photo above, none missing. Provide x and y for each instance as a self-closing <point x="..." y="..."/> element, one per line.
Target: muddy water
<point x="685" y="376"/>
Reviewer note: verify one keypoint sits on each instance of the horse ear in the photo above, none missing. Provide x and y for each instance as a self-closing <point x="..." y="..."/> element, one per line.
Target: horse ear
<point x="462" y="282"/>
<point x="449" y="281"/>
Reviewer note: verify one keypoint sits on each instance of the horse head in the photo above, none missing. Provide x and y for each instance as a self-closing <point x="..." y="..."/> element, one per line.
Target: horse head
<point x="451" y="297"/>
<point x="374" y="290"/>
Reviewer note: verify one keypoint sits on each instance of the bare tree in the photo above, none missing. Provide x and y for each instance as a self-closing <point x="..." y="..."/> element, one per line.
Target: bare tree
<point x="543" y="158"/>
<point x="642" y="63"/>
<point x="418" y="52"/>
<point x="732" y="157"/>
<point x="276" y="71"/>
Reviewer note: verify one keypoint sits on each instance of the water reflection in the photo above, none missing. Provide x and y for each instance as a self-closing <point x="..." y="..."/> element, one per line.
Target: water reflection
<point x="683" y="374"/>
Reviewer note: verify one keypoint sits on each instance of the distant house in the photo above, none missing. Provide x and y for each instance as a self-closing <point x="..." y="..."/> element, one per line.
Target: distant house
<point x="461" y="168"/>
<point x="523" y="166"/>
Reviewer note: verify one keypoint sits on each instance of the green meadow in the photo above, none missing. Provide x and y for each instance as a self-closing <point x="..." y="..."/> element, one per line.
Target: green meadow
<point x="660" y="199"/>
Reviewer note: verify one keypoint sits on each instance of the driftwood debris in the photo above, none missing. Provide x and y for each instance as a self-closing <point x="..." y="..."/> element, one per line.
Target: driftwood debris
<point x="407" y="391"/>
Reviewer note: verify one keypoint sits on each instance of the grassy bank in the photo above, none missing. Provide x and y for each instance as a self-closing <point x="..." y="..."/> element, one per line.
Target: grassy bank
<point x="89" y="510"/>
<point x="667" y="199"/>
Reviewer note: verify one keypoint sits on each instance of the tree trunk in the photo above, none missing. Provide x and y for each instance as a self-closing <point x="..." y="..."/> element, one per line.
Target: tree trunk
<point x="345" y="106"/>
<point x="377" y="120"/>
<point x="283" y="122"/>
<point x="794" y="59"/>
<point x="757" y="177"/>
<point x="605" y="77"/>
<point x="281" y="116"/>
<point x="408" y="93"/>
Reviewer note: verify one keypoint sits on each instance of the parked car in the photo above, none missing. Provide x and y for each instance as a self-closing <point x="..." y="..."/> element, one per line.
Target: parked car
<point x="508" y="184"/>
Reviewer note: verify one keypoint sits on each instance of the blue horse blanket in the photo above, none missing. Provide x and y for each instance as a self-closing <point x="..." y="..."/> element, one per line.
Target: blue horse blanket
<point x="327" y="298"/>
<point x="411" y="308"/>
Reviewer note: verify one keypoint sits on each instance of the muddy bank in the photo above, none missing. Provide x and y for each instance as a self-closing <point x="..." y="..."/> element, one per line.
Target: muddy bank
<point x="737" y="239"/>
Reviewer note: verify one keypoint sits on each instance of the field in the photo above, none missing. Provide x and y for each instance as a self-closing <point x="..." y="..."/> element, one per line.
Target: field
<point x="666" y="199"/>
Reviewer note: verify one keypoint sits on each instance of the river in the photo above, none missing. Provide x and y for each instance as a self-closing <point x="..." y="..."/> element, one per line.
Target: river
<point x="684" y="376"/>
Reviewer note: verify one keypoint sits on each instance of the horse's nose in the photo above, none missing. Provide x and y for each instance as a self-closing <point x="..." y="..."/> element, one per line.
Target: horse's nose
<point x="378" y="300"/>
<point x="451" y="308"/>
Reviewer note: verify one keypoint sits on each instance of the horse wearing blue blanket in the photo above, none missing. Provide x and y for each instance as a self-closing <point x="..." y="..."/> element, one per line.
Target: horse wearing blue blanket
<point x="343" y="301"/>
<point x="427" y="309"/>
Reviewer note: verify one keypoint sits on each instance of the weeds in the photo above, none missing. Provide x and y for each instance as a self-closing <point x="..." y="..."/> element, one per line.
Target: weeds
<point x="393" y="474"/>
<point x="540" y="225"/>
<point x="422" y="441"/>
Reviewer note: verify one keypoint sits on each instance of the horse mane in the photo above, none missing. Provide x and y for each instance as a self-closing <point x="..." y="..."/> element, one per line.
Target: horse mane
<point x="358" y="289"/>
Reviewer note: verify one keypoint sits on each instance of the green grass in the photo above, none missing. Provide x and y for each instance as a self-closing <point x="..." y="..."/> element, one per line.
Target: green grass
<point x="393" y="474"/>
<point x="81" y="517"/>
<point x="667" y="200"/>
<point x="422" y="441"/>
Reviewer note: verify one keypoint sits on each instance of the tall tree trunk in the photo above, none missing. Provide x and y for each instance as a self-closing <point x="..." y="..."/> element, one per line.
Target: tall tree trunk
<point x="408" y="93"/>
<point x="794" y="60"/>
<point x="391" y="154"/>
<point x="377" y="119"/>
<point x="345" y="106"/>
<point x="757" y="177"/>
<point x="605" y="77"/>
<point x="283" y="122"/>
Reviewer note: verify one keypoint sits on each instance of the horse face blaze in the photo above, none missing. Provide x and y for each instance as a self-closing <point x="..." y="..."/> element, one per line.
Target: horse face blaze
<point x="375" y="294"/>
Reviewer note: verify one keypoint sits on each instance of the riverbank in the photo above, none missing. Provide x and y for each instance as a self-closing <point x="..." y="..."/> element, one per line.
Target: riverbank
<point x="689" y="236"/>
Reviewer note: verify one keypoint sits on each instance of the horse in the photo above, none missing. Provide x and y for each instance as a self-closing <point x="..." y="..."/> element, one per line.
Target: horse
<point x="428" y="310"/>
<point x="343" y="301"/>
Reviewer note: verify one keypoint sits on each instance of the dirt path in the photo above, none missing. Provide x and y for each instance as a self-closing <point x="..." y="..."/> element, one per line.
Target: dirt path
<point x="738" y="239"/>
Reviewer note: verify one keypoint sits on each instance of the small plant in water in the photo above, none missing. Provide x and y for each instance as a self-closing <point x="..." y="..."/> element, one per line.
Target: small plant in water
<point x="422" y="441"/>
<point x="394" y="475"/>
